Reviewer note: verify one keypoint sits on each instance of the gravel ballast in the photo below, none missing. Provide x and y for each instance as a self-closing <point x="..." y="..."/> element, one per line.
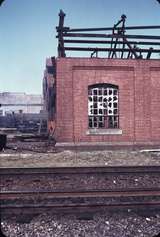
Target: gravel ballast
<point x="101" y="224"/>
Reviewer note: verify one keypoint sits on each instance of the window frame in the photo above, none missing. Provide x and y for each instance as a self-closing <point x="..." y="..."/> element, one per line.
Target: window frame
<point x="106" y="128"/>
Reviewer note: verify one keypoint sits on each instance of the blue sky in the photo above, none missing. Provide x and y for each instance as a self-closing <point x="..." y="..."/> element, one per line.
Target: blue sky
<point x="27" y="32"/>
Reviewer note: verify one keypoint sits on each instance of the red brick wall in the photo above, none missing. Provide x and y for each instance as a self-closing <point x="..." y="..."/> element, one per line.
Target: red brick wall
<point x="139" y="98"/>
<point x="155" y="103"/>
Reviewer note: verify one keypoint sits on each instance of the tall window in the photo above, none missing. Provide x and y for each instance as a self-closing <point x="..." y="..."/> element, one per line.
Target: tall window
<point x="103" y="106"/>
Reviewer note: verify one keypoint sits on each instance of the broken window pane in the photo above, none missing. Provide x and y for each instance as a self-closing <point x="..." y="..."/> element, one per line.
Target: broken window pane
<point x="115" y="111"/>
<point x="95" y="92"/>
<point x="90" y="98"/>
<point x="101" y="125"/>
<point x="105" y="92"/>
<point x="110" y="92"/>
<point x="95" y="111"/>
<point x="100" y="111"/>
<point x="115" y="92"/>
<point x="100" y="99"/>
<point x="95" y="98"/>
<point x="95" y="105"/>
<point x="100" y="91"/>
<point x="115" y="105"/>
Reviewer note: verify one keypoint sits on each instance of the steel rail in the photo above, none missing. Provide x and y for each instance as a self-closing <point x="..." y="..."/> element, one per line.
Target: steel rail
<point x="82" y="169"/>
<point x="78" y="200"/>
<point x="118" y="193"/>
<point x="77" y="206"/>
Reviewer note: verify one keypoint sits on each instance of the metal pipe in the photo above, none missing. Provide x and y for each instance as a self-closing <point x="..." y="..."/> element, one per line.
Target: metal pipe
<point x="155" y="37"/>
<point x="109" y="42"/>
<point x="110" y="28"/>
<point x="110" y="49"/>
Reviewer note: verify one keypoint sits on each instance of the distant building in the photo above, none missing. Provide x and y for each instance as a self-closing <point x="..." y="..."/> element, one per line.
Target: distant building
<point x="19" y="103"/>
<point x="22" y="111"/>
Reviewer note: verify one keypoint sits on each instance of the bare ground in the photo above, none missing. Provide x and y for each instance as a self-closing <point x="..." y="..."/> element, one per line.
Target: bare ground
<point x="42" y="154"/>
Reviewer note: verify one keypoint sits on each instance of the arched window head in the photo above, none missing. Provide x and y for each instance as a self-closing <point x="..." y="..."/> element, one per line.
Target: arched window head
<point x="103" y="106"/>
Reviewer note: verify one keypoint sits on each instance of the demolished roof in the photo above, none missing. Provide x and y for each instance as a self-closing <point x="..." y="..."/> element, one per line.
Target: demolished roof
<point x="114" y="42"/>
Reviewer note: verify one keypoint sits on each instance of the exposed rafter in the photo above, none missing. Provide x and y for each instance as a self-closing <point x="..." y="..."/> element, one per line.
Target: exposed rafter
<point x="117" y="43"/>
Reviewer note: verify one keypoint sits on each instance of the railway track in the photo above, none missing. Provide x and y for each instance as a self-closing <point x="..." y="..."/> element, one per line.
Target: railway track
<point x="79" y="188"/>
<point x="77" y="179"/>
<point x="33" y="202"/>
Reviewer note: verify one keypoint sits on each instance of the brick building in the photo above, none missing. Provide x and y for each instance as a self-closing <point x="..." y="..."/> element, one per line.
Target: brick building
<point x="115" y="101"/>
<point x="110" y="101"/>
